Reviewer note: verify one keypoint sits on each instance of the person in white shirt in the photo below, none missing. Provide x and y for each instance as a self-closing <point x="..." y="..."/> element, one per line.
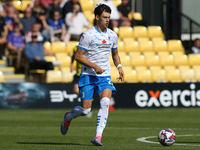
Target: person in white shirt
<point x="75" y="21"/>
<point x="95" y="47"/>
<point x="196" y="47"/>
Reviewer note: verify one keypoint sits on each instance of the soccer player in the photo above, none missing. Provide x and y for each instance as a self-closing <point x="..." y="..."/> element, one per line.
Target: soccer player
<point x="93" y="53"/>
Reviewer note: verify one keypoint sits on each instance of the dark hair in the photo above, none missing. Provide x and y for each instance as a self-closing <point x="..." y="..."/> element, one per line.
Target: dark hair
<point x="197" y="39"/>
<point x="100" y="8"/>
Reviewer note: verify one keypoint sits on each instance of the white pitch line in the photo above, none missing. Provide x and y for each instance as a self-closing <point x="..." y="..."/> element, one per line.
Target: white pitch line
<point x="143" y="139"/>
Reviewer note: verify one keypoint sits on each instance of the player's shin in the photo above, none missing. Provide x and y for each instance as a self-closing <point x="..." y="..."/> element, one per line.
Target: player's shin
<point x="102" y="116"/>
<point x="77" y="111"/>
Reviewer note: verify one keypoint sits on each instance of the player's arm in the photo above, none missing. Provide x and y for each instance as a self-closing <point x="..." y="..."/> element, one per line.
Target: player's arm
<point x="80" y="58"/>
<point x="117" y="62"/>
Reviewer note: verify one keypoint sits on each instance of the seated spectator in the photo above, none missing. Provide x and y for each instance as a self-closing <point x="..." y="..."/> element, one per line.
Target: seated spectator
<point x="52" y="7"/>
<point x="3" y="35"/>
<point x="16" y="44"/>
<point x="75" y="21"/>
<point x="58" y="26"/>
<point x="2" y="11"/>
<point x="8" y="4"/>
<point x="114" y="17"/>
<point x="35" y="28"/>
<point x="27" y="21"/>
<point x="36" y="8"/>
<point x="68" y="7"/>
<point x="124" y="9"/>
<point x="196" y="48"/>
<point x="11" y="17"/>
<point x="34" y="52"/>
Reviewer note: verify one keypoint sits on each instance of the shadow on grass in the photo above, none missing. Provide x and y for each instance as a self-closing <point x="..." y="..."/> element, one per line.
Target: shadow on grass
<point x="179" y="142"/>
<point x="50" y="143"/>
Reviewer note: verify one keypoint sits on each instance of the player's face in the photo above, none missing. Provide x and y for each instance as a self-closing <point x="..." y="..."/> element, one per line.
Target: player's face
<point x="104" y="19"/>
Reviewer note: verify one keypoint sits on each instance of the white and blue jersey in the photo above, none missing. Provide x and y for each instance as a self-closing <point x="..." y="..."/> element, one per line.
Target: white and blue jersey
<point x="98" y="46"/>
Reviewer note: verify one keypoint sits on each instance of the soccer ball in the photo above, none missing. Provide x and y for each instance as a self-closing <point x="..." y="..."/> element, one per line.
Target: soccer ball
<point x="166" y="137"/>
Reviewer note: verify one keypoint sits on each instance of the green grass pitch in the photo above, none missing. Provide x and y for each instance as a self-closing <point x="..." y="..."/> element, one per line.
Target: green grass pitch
<point x="39" y="129"/>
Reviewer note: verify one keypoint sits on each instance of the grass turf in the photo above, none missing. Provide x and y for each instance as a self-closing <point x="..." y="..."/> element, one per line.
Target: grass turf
<point x="40" y="129"/>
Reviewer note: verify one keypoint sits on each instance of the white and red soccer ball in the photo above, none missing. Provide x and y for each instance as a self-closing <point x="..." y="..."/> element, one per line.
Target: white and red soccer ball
<point x="166" y="137"/>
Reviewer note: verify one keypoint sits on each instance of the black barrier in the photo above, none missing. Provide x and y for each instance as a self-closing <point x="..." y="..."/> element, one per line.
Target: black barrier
<point x="148" y="95"/>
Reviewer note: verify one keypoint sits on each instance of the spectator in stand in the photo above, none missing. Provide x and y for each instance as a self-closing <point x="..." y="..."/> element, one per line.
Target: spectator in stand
<point x="36" y="8"/>
<point x="62" y="3"/>
<point x="35" y="28"/>
<point x="34" y="52"/>
<point x="75" y="21"/>
<point x="68" y="7"/>
<point x="16" y="44"/>
<point x="114" y="17"/>
<point x="196" y="48"/>
<point x="11" y="17"/>
<point x="3" y="35"/>
<point x="58" y="26"/>
<point x="8" y="4"/>
<point x="52" y="7"/>
<point x="45" y="3"/>
<point x="2" y="11"/>
<point x="124" y="9"/>
<point x="27" y="21"/>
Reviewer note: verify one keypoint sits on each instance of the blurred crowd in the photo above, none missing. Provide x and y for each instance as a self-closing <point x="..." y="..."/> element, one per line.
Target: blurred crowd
<point x="23" y="33"/>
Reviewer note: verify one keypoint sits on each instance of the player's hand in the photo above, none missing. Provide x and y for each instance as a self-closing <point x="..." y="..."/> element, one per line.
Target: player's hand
<point x="99" y="70"/>
<point x="121" y="74"/>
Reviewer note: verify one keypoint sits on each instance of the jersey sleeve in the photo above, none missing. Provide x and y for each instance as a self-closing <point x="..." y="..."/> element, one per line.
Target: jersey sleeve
<point x="115" y="42"/>
<point x="84" y="42"/>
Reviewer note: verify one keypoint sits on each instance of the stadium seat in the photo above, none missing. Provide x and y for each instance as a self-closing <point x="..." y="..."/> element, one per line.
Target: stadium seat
<point x="163" y="53"/>
<point x="50" y="58"/>
<point x="175" y="45"/>
<point x="197" y="75"/>
<point x="7" y="70"/>
<point x="146" y="46"/>
<point x="131" y="76"/>
<point x="2" y="63"/>
<point x="121" y="47"/>
<point x="128" y="39"/>
<point x="140" y="31"/>
<point x="116" y="30"/>
<point x="142" y="39"/>
<point x="157" y="39"/>
<point x="2" y="78"/>
<point x="137" y="16"/>
<point x="125" y="60"/>
<point x="137" y="60"/>
<point x="64" y="59"/>
<point x="47" y="46"/>
<point x="181" y="60"/>
<point x="117" y="2"/>
<point x="131" y="46"/>
<point x="188" y="75"/>
<point x="155" y="31"/>
<point x="183" y="67"/>
<point x="54" y="76"/>
<point x="177" y="53"/>
<point x="152" y="60"/>
<point x="145" y="76"/>
<point x="15" y="78"/>
<point x="140" y="68"/>
<point x="67" y="76"/>
<point x="169" y="67"/>
<point x="87" y="5"/>
<point x="155" y="68"/>
<point x="196" y="67"/>
<point x="194" y="59"/>
<point x="70" y="46"/>
<point x="160" y="46"/>
<point x="166" y="60"/>
<point x="159" y="76"/>
<point x="90" y="16"/>
<point x="149" y="54"/>
<point x="174" y="76"/>
<point x="17" y="4"/>
<point x="58" y="47"/>
<point x="114" y="74"/>
<point x="125" y="32"/>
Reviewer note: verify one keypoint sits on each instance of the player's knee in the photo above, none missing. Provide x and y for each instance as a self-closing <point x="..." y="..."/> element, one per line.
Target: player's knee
<point x="86" y="111"/>
<point x="104" y="102"/>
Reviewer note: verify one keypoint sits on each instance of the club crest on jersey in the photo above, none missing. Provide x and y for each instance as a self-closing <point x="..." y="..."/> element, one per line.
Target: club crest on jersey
<point x="104" y="41"/>
<point x="82" y="37"/>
